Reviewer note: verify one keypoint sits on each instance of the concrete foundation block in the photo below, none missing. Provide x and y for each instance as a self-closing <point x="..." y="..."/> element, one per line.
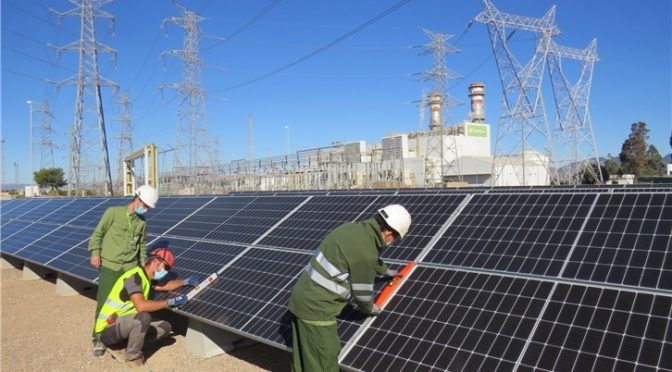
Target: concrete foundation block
<point x="207" y="341"/>
<point x="68" y="286"/>
<point x="33" y="272"/>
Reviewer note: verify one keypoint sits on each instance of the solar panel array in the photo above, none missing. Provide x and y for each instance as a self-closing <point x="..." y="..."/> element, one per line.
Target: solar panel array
<point x="553" y="279"/>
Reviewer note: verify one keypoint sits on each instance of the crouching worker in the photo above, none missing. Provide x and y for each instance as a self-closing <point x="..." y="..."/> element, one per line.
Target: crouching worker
<point x="126" y="312"/>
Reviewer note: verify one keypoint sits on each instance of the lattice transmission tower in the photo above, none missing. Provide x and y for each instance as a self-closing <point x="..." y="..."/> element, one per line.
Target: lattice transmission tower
<point x="192" y="157"/>
<point x="522" y="122"/>
<point x="442" y="156"/>
<point x="125" y="133"/>
<point x="46" y="135"/>
<point x="89" y="156"/>
<point x="575" y="140"/>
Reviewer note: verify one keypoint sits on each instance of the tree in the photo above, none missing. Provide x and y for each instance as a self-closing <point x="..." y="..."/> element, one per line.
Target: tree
<point x="588" y="176"/>
<point x="633" y="154"/>
<point x="612" y="167"/>
<point x="656" y="163"/>
<point x="51" y="178"/>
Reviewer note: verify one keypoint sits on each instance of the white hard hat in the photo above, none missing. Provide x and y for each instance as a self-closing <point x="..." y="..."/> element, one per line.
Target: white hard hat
<point x="396" y="217"/>
<point x="148" y="195"/>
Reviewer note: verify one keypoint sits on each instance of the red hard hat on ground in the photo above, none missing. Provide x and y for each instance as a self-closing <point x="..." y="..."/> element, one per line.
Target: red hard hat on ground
<point x="165" y="254"/>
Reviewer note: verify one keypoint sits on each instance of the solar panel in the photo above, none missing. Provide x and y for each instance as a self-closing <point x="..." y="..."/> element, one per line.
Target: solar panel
<point x="75" y="260"/>
<point x="54" y="244"/>
<point x="196" y="257"/>
<point x="307" y="226"/>
<point x="90" y="218"/>
<point x="211" y="216"/>
<point x="248" y="296"/>
<point x="71" y="210"/>
<point x="12" y="227"/>
<point x="522" y="233"/>
<point x="451" y="320"/>
<point x="170" y="211"/>
<point x="626" y="241"/>
<point x="12" y="245"/>
<point x="428" y="213"/>
<point x="598" y="329"/>
<point x="25" y="208"/>
<point x="49" y="207"/>
<point x="257" y="217"/>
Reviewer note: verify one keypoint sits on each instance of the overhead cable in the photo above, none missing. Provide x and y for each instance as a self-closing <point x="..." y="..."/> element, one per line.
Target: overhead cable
<point x="322" y="48"/>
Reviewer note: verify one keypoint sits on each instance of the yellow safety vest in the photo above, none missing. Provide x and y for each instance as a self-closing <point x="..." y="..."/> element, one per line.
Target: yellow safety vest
<point x="115" y="305"/>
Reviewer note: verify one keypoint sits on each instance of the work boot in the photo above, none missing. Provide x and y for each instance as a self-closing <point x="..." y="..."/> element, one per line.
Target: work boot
<point x="98" y="348"/>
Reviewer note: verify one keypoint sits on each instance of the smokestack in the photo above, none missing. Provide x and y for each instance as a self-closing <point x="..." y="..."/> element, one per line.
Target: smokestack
<point x="477" y="94"/>
<point x="435" y="118"/>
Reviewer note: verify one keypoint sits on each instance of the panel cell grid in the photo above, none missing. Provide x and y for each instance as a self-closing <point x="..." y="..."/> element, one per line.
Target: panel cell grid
<point x="253" y="282"/>
<point x="596" y="329"/>
<point x="172" y="211"/>
<point x="26" y="209"/>
<point x="211" y="216"/>
<point x="306" y="227"/>
<point x="520" y="233"/>
<point x="15" y="243"/>
<point x="626" y="241"/>
<point x="51" y="206"/>
<point x="54" y="244"/>
<point x="256" y="218"/>
<point x="428" y="213"/>
<point x="444" y="320"/>
<point x="76" y="261"/>
<point x="12" y="227"/>
<point x="90" y="218"/>
<point x="71" y="211"/>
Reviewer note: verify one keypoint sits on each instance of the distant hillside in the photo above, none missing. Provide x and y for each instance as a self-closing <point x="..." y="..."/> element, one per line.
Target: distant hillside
<point x="668" y="158"/>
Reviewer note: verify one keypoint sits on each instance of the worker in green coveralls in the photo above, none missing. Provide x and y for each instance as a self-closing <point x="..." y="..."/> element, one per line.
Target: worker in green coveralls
<point x="118" y="244"/>
<point x="344" y="266"/>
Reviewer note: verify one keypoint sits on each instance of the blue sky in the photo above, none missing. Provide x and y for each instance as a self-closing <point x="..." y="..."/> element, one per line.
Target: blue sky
<point x="359" y="89"/>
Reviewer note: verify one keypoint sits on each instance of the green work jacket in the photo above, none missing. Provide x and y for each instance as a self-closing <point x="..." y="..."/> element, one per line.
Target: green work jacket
<point x="114" y="304"/>
<point x="119" y="239"/>
<point x="344" y="267"/>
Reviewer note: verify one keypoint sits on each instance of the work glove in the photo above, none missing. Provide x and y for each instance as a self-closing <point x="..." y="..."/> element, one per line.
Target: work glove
<point x="178" y="300"/>
<point x="392" y="273"/>
<point x="375" y="310"/>
<point x="192" y="280"/>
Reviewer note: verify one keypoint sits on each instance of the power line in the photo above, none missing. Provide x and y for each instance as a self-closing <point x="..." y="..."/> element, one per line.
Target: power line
<point x="321" y="49"/>
<point x="245" y="25"/>
<point x="36" y="58"/>
<point x="24" y="75"/>
<point x="5" y="2"/>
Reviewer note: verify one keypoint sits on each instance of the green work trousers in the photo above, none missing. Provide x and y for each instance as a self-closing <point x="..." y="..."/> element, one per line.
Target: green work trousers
<point x="315" y="346"/>
<point x="106" y="279"/>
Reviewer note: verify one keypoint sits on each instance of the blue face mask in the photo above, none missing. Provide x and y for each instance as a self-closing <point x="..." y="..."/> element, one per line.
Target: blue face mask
<point x="160" y="275"/>
<point x="140" y="211"/>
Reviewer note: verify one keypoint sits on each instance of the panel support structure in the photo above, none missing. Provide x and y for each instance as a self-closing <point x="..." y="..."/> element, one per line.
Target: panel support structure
<point x="33" y="272"/>
<point x="69" y="286"/>
<point x="207" y="341"/>
<point x="7" y="262"/>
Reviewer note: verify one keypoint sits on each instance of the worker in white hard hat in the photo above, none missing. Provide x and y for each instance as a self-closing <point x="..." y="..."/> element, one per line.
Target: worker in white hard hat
<point x="344" y="266"/>
<point x="118" y="244"/>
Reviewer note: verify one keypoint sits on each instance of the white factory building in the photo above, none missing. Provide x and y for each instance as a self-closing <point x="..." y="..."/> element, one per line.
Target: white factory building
<point x="399" y="160"/>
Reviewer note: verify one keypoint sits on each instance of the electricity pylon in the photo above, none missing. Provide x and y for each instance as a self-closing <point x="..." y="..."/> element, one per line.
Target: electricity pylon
<point x="193" y="165"/>
<point x="46" y="142"/>
<point x="442" y="156"/>
<point x="575" y="143"/>
<point x="88" y="128"/>
<point x="522" y="120"/>
<point x="125" y="133"/>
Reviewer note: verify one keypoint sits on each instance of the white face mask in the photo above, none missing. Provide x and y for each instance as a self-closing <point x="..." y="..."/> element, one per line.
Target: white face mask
<point x="158" y="275"/>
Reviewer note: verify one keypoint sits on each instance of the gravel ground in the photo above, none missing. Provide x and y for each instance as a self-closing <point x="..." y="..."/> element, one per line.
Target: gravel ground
<point x="42" y="331"/>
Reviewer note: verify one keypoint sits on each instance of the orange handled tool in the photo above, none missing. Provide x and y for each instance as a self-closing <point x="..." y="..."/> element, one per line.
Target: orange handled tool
<point x="392" y="284"/>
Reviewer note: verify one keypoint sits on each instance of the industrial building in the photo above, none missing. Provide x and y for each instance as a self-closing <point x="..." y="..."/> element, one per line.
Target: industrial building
<point x="458" y="155"/>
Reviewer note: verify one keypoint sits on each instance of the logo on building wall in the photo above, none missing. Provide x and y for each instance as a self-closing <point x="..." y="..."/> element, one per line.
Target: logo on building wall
<point x="475" y="130"/>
